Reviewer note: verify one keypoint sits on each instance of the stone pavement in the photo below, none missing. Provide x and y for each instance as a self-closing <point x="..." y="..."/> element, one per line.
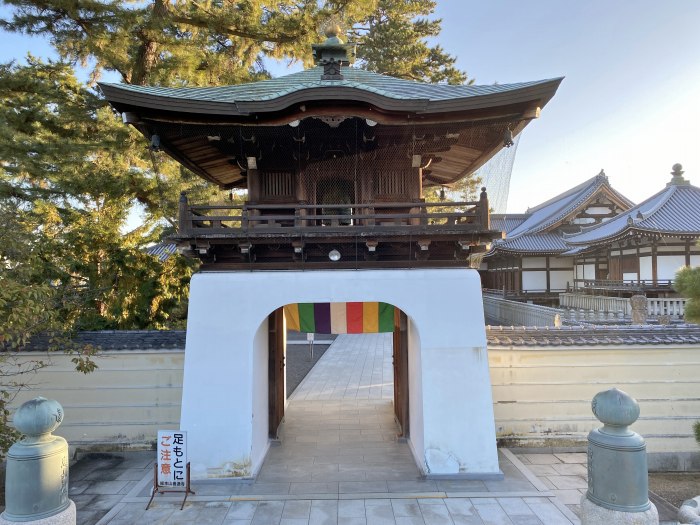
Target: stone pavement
<point x="338" y="463"/>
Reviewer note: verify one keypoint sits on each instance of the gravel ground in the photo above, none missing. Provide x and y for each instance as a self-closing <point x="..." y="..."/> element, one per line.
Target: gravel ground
<point x="675" y="487"/>
<point x="300" y="362"/>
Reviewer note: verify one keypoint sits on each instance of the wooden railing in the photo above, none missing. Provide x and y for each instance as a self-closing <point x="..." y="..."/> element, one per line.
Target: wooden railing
<point x="237" y="219"/>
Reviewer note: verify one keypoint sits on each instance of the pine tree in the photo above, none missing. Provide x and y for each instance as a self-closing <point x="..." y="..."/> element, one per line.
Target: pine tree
<point x="687" y="283"/>
<point x="392" y="40"/>
<point x="76" y="172"/>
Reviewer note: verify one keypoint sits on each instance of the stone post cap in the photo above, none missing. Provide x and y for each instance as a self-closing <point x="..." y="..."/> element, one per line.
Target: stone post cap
<point x="615" y="408"/>
<point x="37" y="418"/>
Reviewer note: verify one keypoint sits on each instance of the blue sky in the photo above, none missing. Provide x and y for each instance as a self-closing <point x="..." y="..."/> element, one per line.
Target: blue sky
<point x="630" y="102"/>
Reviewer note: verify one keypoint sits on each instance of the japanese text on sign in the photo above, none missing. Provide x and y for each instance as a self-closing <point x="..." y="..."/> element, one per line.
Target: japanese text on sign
<point x="172" y="458"/>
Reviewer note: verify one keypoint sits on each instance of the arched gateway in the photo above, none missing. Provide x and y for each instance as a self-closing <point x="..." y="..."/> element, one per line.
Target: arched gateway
<point x="334" y="161"/>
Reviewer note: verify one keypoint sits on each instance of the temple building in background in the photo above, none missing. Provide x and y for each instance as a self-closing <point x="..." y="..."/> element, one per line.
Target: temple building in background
<point x="592" y="239"/>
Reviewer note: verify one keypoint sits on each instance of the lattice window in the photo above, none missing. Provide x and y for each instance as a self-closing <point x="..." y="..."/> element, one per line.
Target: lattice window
<point x="390" y="182"/>
<point x="277" y="184"/>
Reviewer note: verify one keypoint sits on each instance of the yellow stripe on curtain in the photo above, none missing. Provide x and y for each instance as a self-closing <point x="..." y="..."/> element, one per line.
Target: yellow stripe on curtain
<point x="291" y="313"/>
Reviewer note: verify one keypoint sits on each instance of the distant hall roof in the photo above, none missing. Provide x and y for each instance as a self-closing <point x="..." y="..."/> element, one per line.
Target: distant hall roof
<point x="675" y="210"/>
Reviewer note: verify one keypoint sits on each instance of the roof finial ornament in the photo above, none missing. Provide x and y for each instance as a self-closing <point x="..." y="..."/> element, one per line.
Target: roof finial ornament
<point x="333" y="53"/>
<point x="677" y="178"/>
<point x="332" y="30"/>
<point x="602" y="174"/>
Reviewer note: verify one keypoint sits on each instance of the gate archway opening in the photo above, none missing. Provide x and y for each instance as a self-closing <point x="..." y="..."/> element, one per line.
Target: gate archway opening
<point x="225" y="407"/>
<point x="340" y="319"/>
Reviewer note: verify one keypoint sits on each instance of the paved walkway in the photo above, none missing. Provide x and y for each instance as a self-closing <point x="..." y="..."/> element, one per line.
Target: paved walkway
<point x="339" y="463"/>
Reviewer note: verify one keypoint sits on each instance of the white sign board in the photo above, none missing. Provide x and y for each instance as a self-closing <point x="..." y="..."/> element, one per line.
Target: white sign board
<point x="310" y="337"/>
<point x="172" y="458"/>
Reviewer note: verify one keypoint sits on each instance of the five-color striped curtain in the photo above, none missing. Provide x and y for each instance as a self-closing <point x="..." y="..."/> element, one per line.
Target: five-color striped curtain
<point x="340" y="318"/>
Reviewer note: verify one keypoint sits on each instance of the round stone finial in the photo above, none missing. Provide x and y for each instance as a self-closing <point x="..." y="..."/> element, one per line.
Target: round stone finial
<point x="38" y="417"/>
<point x="332" y="30"/>
<point x="677" y="169"/>
<point x="615" y="408"/>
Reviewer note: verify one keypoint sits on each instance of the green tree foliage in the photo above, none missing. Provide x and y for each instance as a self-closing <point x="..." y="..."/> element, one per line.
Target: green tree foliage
<point x="687" y="283"/>
<point x="71" y="174"/>
<point x="78" y="173"/>
<point x="170" y="42"/>
<point x="393" y="40"/>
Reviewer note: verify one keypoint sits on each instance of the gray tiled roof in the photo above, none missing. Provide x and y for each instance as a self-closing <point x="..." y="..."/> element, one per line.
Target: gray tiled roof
<point x="384" y="85"/>
<point x="554" y="210"/>
<point x="162" y="250"/>
<point x="530" y="234"/>
<point x="496" y="335"/>
<point x="674" y="210"/>
<point x="533" y="243"/>
<point x="507" y="223"/>
<point x="593" y="336"/>
<point x="120" y="340"/>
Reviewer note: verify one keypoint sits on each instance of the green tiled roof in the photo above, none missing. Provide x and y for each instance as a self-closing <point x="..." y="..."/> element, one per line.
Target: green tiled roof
<point x="360" y="79"/>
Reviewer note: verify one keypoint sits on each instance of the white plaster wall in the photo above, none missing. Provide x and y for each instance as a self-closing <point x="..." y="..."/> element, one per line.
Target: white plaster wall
<point x="534" y="262"/>
<point x="415" y="396"/>
<point x="535" y="281"/>
<point x="668" y="265"/>
<point x="217" y="401"/>
<point x="694" y="260"/>
<point x="261" y="414"/>
<point x="645" y="271"/>
<point x="227" y="308"/>
<point x="558" y="279"/>
<point x="589" y="271"/>
<point x="561" y="262"/>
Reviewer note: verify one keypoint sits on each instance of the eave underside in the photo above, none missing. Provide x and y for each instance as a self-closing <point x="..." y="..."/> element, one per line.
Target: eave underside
<point x="451" y="145"/>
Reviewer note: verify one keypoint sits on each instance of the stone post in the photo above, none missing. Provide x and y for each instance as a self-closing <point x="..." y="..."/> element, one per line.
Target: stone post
<point x="618" y="480"/>
<point x="36" y="482"/>
<point x="639" y="309"/>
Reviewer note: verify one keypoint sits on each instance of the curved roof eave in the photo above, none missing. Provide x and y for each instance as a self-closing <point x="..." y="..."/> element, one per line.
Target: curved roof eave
<point x="128" y="97"/>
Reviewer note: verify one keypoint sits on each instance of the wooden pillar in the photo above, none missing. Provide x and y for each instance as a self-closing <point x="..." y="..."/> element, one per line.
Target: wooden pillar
<point x="183" y="222"/>
<point x="654" y="264"/>
<point x="253" y="185"/>
<point x="547" y="268"/>
<point x="400" y="362"/>
<point x="687" y="253"/>
<point x="276" y="362"/>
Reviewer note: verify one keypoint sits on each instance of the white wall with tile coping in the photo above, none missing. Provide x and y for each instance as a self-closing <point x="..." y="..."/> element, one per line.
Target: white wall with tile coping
<point x="541" y="395"/>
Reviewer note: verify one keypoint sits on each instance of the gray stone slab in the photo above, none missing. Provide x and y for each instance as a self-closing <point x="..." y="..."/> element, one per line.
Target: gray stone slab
<point x="354" y="487"/>
<point x="298" y="509"/>
<point x="329" y="487"/>
<point x="268" y="512"/>
<point x="463" y="512"/>
<point x="492" y="513"/>
<point x="435" y="512"/>
<point x="354" y="508"/>
<point x="323" y="512"/>
<point x="242" y="510"/>
<point x="406" y="508"/>
<point x="548" y="513"/>
<point x="106" y="487"/>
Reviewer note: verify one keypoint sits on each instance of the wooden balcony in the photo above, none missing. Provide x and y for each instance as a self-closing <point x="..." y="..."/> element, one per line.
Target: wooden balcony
<point x="291" y="235"/>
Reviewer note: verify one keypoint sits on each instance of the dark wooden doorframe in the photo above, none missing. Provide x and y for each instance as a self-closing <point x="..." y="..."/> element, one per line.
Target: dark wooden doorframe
<point x="275" y="370"/>
<point x="400" y="361"/>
